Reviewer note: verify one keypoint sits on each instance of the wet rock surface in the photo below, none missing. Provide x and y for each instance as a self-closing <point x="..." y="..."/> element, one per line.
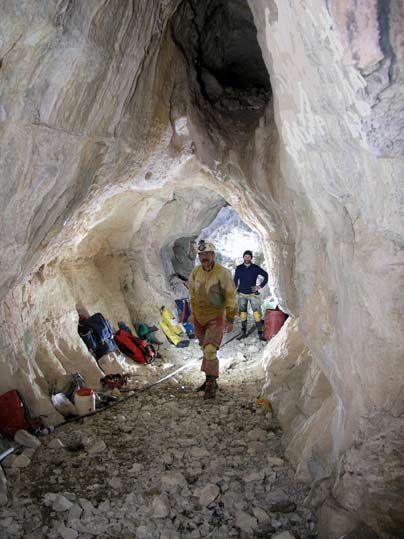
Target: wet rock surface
<point x="165" y="464"/>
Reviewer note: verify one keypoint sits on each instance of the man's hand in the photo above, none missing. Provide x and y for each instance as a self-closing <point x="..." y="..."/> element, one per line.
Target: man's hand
<point x="255" y="288"/>
<point x="228" y="327"/>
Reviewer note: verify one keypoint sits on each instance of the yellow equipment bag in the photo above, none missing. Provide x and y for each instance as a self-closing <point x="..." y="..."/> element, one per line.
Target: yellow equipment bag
<point x="173" y="330"/>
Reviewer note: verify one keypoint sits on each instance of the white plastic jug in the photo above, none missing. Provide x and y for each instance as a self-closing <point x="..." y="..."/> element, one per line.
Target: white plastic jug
<point x="84" y="400"/>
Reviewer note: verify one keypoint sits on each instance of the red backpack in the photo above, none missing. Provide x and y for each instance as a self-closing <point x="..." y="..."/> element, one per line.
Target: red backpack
<point x="137" y="349"/>
<point x="15" y="416"/>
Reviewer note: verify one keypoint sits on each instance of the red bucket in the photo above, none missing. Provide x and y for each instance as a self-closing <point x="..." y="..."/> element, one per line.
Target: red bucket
<point x="84" y="392"/>
<point x="273" y="321"/>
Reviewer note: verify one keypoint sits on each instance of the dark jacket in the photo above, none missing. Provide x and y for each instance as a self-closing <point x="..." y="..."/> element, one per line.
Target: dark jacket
<point x="246" y="277"/>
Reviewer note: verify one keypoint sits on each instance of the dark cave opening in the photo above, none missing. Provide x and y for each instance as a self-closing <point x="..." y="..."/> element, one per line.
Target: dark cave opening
<point x="219" y="41"/>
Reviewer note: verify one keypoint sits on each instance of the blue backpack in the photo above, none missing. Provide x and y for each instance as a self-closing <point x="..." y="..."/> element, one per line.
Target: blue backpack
<point x="97" y="334"/>
<point x="184" y="312"/>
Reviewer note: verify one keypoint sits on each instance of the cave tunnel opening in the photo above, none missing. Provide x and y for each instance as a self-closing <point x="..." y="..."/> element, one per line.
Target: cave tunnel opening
<point x="219" y="41"/>
<point x="133" y="264"/>
<point x="231" y="238"/>
<point x="229" y="234"/>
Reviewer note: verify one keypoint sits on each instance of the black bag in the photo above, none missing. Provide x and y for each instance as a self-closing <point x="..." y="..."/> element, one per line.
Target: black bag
<point x="97" y="334"/>
<point x="88" y="337"/>
<point x="76" y="383"/>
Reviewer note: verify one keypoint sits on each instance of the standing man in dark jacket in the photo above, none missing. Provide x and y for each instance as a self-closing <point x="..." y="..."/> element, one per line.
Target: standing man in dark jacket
<point x="245" y="280"/>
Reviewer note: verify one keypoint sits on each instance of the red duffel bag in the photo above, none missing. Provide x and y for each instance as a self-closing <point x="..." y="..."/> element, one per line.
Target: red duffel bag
<point x="137" y="349"/>
<point x="14" y="415"/>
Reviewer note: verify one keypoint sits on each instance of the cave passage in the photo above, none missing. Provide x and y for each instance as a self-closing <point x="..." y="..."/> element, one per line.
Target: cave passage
<point x="126" y="127"/>
<point x="219" y="40"/>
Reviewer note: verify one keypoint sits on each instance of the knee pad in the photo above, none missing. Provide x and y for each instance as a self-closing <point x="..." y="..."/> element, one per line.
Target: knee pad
<point x="209" y="352"/>
<point x="257" y="316"/>
<point x="243" y="316"/>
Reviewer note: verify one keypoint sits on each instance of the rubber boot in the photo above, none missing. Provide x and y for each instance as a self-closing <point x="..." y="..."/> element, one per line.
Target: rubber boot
<point x="210" y="387"/>
<point x="243" y="330"/>
<point x="260" y="328"/>
<point x="203" y="386"/>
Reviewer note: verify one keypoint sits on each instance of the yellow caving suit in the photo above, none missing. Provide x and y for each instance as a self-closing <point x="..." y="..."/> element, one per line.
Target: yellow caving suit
<point x="213" y="298"/>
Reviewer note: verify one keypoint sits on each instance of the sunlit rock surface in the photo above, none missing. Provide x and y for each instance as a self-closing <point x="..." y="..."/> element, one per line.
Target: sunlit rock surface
<point x="348" y="239"/>
<point x="117" y="119"/>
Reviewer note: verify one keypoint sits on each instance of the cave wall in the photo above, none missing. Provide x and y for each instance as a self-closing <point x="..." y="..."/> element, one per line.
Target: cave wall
<point x="38" y="340"/>
<point x="73" y="129"/>
<point x="336" y="75"/>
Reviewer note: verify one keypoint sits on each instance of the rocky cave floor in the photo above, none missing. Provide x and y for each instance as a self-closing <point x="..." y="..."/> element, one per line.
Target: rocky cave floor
<point x="165" y="464"/>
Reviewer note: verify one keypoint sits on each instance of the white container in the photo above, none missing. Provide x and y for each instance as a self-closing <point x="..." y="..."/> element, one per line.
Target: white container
<point x="84" y="400"/>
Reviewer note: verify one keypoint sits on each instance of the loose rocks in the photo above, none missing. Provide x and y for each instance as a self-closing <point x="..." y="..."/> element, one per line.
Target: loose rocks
<point x="182" y="468"/>
<point x="26" y="439"/>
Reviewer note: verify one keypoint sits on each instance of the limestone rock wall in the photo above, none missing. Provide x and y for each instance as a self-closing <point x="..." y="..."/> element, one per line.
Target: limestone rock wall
<point x="303" y="400"/>
<point x="39" y="341"/>
<point x="325" y="75"/>
<point x="70" y="122"/>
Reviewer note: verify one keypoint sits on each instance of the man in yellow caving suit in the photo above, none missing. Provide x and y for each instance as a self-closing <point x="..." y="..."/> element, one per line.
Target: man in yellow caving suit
<point x="213" y="300"/>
